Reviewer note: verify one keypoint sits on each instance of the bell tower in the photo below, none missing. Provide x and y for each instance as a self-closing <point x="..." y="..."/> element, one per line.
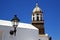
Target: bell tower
<point x="37" y="19"/>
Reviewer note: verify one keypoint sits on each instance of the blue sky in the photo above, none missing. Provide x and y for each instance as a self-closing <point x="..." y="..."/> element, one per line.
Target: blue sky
<point x="23" y="9"/>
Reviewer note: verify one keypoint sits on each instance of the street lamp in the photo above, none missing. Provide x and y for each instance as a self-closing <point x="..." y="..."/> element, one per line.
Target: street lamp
<point x="15" y="22"/>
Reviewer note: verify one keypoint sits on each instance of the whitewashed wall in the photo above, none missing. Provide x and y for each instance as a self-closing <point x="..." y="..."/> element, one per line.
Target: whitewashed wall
<point x="24" y="32"/>
<point x="21" y="34"/>
<point x="44" y="37"/>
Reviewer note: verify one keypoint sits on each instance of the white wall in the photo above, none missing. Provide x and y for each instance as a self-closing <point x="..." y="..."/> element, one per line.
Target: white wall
<point x="43" y="37"/>
<point x="22" y="33"/>
<point x="0" y="35"/>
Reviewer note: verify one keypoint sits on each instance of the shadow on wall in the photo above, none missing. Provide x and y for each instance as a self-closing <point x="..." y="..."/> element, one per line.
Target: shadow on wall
<point x="0" y="35"/>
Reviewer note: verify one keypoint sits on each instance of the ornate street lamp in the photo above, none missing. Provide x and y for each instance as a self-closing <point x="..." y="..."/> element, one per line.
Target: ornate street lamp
<point x="15" y="22"/>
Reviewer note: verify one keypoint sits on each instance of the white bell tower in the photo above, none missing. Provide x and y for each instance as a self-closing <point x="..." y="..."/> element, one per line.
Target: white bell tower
<point x="37" y="19"/>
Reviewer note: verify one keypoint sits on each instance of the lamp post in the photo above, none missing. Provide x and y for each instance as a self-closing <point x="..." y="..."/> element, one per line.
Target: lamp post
<point x="15" y="22"/>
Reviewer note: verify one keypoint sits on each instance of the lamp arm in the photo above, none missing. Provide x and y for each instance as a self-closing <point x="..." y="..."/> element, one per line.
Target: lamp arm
<point x="15" y="31"/>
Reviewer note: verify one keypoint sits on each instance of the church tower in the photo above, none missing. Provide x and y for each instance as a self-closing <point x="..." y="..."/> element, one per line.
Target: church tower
<point x="37" y="19"/>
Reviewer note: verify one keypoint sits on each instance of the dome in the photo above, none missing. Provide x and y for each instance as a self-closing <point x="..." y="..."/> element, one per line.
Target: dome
<point x="36" y="9"/>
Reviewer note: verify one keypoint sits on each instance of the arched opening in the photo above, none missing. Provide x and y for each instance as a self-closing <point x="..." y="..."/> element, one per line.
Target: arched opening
<point x="37" y="17"/>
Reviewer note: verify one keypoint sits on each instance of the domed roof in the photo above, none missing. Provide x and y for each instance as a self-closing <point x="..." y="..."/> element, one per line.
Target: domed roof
<point x="36" y="9"/>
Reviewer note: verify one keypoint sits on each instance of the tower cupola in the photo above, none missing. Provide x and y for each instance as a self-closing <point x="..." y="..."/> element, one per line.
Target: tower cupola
<point x="37" y="9"/>
<point x="37" y="19"/>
